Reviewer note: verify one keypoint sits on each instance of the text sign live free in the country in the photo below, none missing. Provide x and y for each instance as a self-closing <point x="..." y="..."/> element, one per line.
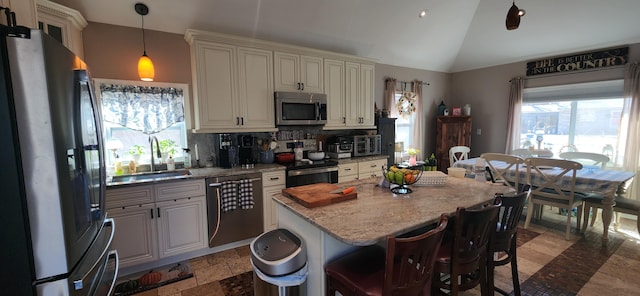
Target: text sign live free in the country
<point x="578" y="62"/>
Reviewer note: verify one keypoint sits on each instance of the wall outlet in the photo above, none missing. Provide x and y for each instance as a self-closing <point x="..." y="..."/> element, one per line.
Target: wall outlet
<point x="479" y="132"/>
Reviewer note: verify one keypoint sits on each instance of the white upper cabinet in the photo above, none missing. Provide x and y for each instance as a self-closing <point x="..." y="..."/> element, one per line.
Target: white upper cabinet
<point x="334" y="86"/>
<point x="295" y="72"/>
<point x="62" y="23"/>
<point x="349" y="87"/>
<point x="233" y="87"/>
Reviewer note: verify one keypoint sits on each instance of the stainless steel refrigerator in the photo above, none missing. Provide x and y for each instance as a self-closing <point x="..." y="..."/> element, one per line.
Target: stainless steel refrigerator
<point x="54" y="232"/>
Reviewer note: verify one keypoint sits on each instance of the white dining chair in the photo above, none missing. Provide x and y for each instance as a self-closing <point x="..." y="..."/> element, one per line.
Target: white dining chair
<point x="508" y="174"/>
<point x="586" y="158"/>
<point x="457" y="153"/>
<point x="546" y="176"/>
<point x="521" y="152"/>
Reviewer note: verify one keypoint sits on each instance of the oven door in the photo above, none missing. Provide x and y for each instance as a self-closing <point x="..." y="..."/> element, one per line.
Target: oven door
<point x="299" y="177"/>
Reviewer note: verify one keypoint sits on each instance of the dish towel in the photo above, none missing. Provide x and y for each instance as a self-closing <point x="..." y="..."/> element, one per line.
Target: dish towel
<point x="246" y="194"/>
<point x="228" y="196"/>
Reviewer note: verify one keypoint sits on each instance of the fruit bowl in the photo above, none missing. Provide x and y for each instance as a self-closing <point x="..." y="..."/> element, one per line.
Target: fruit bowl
<point x="401" y="177"/>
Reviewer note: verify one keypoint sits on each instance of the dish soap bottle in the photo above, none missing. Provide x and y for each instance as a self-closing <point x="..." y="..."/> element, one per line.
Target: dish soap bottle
<point x="171" y="165"/>
<point x="187" y="157"/>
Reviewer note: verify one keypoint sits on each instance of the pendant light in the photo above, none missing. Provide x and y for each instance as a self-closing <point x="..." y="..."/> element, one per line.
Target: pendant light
<point x="145" y="65"/>
<point x="513" y="17"/>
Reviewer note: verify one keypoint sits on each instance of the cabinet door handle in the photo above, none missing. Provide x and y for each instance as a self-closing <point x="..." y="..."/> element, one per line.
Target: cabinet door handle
<point x="151" y="213"/>
<point x="344" y="120"/>
<point x="298" y="86"/>
<point x="158" y="212"/>
<point x="237" y="120"/>
<point x="241" y="120"/>
<point x="302" y="86"/>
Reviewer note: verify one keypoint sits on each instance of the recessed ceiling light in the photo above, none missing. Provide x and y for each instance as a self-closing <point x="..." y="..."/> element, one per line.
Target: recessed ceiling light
<point x="422" y="13"/>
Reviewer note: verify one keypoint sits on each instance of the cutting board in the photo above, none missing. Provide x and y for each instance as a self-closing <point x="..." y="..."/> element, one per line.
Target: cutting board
<point x="317" y="195"/>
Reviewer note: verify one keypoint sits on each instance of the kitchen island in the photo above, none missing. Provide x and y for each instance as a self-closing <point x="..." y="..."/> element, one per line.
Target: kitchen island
<point x="334" y="230"/>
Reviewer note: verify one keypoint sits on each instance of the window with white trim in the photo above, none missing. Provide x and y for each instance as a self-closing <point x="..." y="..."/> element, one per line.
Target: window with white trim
<point x="578" y="117"/>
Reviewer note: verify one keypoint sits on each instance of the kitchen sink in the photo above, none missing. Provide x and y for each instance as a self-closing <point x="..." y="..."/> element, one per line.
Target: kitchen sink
<point x="151" y="176"/>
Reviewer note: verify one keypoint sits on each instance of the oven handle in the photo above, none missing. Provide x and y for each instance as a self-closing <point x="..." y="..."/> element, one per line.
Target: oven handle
<point x="312" y="171"/>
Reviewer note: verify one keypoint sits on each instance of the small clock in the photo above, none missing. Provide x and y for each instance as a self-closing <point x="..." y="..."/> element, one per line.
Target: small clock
<point x="446" y="112"/>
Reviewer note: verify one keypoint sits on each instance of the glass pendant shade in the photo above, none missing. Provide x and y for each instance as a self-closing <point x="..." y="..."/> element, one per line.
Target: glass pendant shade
<point x="145" y="68"/>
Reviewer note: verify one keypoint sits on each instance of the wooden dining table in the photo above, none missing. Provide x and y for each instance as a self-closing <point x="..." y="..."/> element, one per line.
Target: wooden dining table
<point x="607" y="182"/>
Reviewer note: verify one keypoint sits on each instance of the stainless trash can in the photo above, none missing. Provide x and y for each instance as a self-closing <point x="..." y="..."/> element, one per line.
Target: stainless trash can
<point x="279" y="261"/>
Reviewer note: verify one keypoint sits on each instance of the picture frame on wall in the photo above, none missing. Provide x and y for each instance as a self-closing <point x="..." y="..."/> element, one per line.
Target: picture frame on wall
<point x="456" y="111"/>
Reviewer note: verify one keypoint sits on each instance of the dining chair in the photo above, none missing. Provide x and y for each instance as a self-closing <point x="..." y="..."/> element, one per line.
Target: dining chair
<point x="553" y="183"/>
<point x="541" y="153"/>
<point x="521" y="152"/>
<point x="457" y="153"/>
<point x="405" y="268"/>
<point x="462" y="259"/>
<point x="503" y="244"/>
<point x="586" y="158"/>
<point x="509" y="174"/>
<point x="623" y="205"/>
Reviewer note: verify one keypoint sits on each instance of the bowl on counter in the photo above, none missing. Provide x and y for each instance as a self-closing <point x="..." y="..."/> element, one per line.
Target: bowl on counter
<point x="456" y="172"/>
<point x="315" y="155"/>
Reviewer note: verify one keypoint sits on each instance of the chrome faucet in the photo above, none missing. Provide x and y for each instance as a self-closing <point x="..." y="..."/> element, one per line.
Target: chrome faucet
<point x="151" y="139"/>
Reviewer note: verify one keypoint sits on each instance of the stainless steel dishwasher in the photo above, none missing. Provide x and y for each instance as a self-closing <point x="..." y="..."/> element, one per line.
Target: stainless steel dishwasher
<point x="237" y="224"/>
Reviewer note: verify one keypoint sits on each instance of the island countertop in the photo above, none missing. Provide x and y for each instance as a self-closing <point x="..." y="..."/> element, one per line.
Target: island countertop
<point x="377" y="212"/>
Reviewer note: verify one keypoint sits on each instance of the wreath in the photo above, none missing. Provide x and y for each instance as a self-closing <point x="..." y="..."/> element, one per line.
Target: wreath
<point x="406" y="104"/>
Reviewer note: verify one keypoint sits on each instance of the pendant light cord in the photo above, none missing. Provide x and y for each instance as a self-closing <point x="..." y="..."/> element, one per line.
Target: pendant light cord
<point x="144" y="43"/>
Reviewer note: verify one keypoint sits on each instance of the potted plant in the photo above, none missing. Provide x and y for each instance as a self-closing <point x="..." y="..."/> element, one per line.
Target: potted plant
<point x="136" y="151"/>
<point x="167" y="147"/>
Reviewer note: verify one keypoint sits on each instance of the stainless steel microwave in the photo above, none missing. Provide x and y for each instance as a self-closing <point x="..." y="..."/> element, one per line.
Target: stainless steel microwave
<point x="300" y="108"/>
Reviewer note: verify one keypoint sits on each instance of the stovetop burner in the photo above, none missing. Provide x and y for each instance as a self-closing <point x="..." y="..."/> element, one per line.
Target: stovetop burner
<point x="314" y="164"/>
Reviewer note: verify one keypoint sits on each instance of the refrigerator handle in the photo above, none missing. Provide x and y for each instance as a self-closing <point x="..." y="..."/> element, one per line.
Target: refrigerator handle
<point x="113" y="255"/>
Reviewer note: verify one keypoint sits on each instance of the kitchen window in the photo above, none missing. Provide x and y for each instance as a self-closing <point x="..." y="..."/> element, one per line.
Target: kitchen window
<point x="134" y="111"/>
<point x="579" y="117"/>
<point x="404" y="129"/>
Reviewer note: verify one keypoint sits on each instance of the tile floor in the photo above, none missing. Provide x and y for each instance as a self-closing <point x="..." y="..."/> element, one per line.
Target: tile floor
<point x="548" y="264"/>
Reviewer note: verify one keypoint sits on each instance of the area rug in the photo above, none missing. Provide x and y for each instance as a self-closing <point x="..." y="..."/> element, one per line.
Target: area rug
<point x="139" y="282"/>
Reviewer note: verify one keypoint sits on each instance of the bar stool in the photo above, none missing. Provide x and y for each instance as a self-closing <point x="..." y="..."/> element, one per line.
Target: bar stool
<point x="504" y="241"/>
<point x="405" y="268"/>
<point x="462" y="262"/>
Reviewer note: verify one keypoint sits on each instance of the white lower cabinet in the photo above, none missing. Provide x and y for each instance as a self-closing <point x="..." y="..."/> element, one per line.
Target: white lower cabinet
<point x="347" y="172"/>
<point x="360" y="170"/>
<point x="180" y="226"/>
<point x="370" y="168"/>
<point x="136" y="235"/>
<point x="150" y="225"/>
<point x="272" y="183"/>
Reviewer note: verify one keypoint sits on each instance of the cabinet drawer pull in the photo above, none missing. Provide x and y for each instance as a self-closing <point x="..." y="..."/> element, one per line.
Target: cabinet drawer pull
<point x="374" y="165"/>
<point x="347" y="169"/>
<point x="274" y="178"/>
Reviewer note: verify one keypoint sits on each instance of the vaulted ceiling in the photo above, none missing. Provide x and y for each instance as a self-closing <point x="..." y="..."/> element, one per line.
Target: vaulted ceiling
<point x="455" y="35"/>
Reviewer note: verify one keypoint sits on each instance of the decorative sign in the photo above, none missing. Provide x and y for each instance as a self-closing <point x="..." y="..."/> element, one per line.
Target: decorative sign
<point x="578" y="62"/>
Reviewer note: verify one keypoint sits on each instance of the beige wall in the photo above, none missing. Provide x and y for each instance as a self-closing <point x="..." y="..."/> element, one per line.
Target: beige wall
<point x="113" y="52"/>
<point x="487" y="91"/>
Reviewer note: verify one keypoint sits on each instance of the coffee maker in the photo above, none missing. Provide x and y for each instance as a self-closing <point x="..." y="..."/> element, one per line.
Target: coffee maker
<point x="245" y="153"/>
<point x="228" y="151"/>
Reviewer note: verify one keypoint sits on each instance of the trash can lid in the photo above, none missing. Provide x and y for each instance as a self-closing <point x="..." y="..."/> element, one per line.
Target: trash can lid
<point x="275" y="245"/>
<point x="278" y="252"/>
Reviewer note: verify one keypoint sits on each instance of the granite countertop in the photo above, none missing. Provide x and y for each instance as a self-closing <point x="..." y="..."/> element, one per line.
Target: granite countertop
<point x="377" y="212"/>
<point x="201" y="173"/>
<point x="361" y="158"/>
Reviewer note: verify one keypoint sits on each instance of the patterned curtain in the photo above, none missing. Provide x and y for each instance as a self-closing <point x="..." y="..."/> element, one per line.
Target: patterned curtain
<point x="390" y="97"/>
<point x="145" y="109"/>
